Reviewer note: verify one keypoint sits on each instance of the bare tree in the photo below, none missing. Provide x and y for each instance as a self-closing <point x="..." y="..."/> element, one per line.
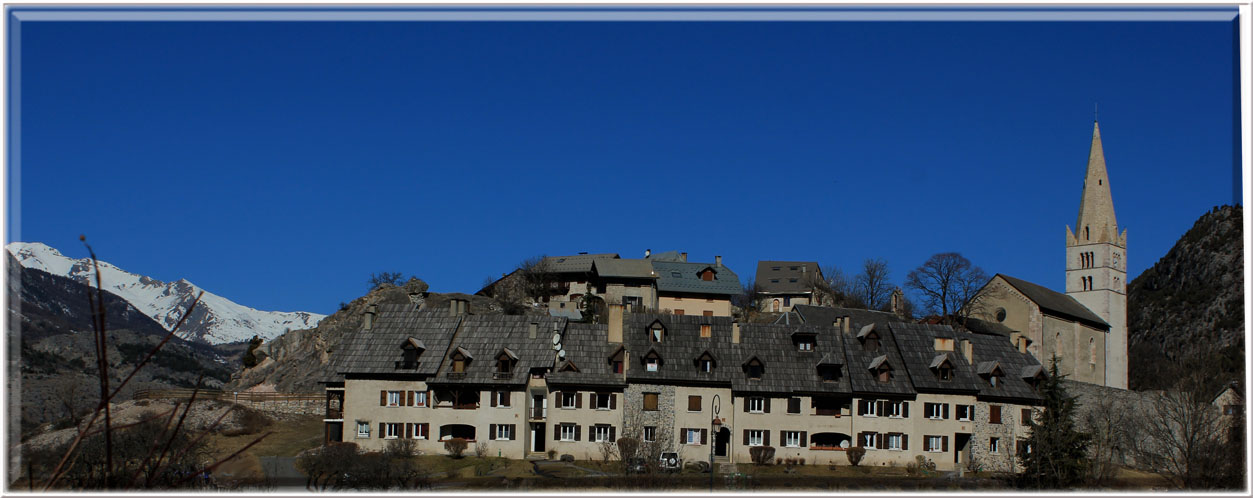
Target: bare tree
<point x="842" y="288"/>
<point x="872" y="285"/>
<point x="388" y="277"/>
<point x="538" y="279"/>
<point x="1181" y="437"/>
<point x="948" y="284"/>
<point x="749" y="301"/>
<point x="1109" y="423"/>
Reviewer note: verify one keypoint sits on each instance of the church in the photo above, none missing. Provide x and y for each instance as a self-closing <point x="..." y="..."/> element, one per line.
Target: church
<point x="1085" y="328"/>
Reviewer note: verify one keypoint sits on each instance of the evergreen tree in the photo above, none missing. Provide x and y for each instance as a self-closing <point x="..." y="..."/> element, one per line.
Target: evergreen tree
<point x="1055" y="456"/>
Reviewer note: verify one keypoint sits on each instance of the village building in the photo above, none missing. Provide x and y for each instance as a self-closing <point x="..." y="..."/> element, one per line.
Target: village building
<point x="783" y="284"/>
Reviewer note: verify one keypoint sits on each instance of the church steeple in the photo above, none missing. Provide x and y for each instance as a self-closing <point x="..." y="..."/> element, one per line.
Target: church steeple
<point x="1096" y="222"/>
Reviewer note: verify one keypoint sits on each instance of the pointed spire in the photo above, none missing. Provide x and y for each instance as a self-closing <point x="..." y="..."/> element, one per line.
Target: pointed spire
<point x="1096" y="222"/>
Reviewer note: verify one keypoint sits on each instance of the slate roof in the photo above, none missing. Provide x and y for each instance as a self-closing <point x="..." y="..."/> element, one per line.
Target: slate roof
<point x="979" y="326"/>
<point x="667" y="256"/>
<point x="578" y="263"/>
<point x="624" y="268"/>
<point x="486" y="336"/>
<point x="1011" y="387"/>
<point x="824" y="316"/>
<point x="585" y="345"/>
<point x="684" y="277"/>
<point x="785" y="368"/>
<point x="679" y="348"/>
<point x="1055" y="303"/>
<point x="859" y="358"/>
<point x="766" y="273"/>
<point x="569" y="313"/>
<point x="377" y="351"/>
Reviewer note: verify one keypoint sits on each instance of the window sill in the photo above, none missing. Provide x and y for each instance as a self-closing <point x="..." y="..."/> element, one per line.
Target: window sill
<point x="391" y="437"/>
<point x="363" y="437"/>
<point x="758" y="413"/>
<point x="567" y="441"/>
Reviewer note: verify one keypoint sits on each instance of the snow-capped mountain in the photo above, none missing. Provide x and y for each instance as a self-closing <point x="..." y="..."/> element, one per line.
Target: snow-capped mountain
<point x="215" y="320"/>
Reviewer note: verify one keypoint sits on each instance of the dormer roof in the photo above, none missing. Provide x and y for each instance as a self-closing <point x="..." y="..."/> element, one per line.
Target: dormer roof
<point x="509" y="353"/>
<point x="865" y="330"/>
<point x="879" y="361"/>
<point x="461" y="351"/>
<point x="988" y="367"/>
<point x="939" y="360"/>
<point x="415" y="343"/>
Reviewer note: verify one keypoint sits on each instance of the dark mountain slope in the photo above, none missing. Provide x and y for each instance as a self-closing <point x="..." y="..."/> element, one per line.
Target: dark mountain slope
<point x="1186" y="313"/>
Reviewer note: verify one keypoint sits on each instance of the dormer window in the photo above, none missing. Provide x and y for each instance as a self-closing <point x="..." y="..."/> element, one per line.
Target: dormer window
<point x="945" y="372"/>
<point x="880" y="369"/>
<point x="991" y="371"/>
<point x="706" y="363"/>
<point x="656" y="331"/>
<point x="804" y="341"/>
<point x="829" y="373"/>
<point x="505" y="361"/>
<point x="616" y="360"/>
<point x="707" y="275"/>
<point x="652" y="361"/>
<point x="754" y="368"/>
<point x="869" y="338"/>
<point x="1033" y="375"/>
<point x="458" y="366"/>
<point x="460" y="359"/>
<point x="410" y="350"/>
<point x="942" y="365"/>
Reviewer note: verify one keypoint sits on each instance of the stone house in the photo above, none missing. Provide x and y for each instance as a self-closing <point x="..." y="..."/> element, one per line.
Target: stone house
<point x="784" y="284"/>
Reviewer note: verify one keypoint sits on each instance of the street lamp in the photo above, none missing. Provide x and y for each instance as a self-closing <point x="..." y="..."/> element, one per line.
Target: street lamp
<point x="713" y="437"/>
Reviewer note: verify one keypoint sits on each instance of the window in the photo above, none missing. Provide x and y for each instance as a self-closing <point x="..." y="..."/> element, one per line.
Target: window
<point x="994" y="414"/>
<point x="651" y="364"/>
<point x="458" y="366"/>
<point x="884" y="374"/>
<point x="693" y="403"/>
<point x="756" y="405"/>
<point x="868" y="440"/>
<point x="805" y="344"/>
<point x="707" y="275"/>
<point x="391" y="431"/>
<point x="872" y="341"/>
<point x="567" y="432"/>
<point x="650" y="434"/>
<point x="829" y="373"/>
<point x="504" y="364"/>
<point x="419" y="398"/>
<point x="774" y="280"/>
<point x="393" y="398"/>
<point x="363" y="429"/>
<point x="965" y="412"/>
<point x="604" y="401"/>
<point x="934" y="443"/>
<point x="418" y="431"/>
<point x="792" y="439"/>
<point x="650" y="402"/>
<point x="755" y="438"/>
<point x="706" y="330"/>
<point x="945" y="372"/>
<point x="755" y="369"/>
<point x="776" y="268"/>
<point x="933" y="411"/>
<point x="892" y="409"/>
<point x="868" y="408"/>
<point x="994" y="445"/>
<point x="691" y="436"/>
<point x="501" y="398"/>
<point x="793" y="405"/>
<point x="569" y="400"/>
<point x="1026" y="416"/>
<point x="504" y="432"/>
<point x="657" y="332"/>
<point x="894" y="441"/>
<point x="679" y="312"/>
<point x="617" y="367"/>
<point x="600" y="433"/>
<point x="706" y="365"/>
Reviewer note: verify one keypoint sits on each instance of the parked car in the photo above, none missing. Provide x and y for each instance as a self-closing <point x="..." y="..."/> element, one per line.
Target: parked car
<point x="670" y="462"/>
<point x="636" y="465"/>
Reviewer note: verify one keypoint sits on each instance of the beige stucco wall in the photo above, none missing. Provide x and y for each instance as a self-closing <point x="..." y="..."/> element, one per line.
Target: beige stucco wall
<point x="683" y="418"/>
<point x="585" y="417"/>
<point x="767" y="302"/>
<point x="695" y="305"/>
<point x="614" y="293"/>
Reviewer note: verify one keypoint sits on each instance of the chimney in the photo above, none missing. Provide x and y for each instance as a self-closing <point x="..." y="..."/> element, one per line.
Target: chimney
<point x="370" y="310"/>
<point x="735" y="332"/>
<point x="457" y="307"/>
<point x="647" y="253"/>
<point x="896" y="303"/>
<point x="683" y="256"/>
<point x="844" y="323"/>
<point x="532" y="331"/>
<point x="615" y="323"/>
<point x="718" y="261"/>
<point x="968" y="350"/>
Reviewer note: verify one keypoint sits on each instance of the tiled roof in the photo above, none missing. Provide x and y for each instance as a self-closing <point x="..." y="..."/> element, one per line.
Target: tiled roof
<point x="585" y="345"/>
<point x="824" y="316"/>
<point x="780" y="281"/>
<point x="379" y="350"/>
<point x="917" y="345"/>
<point x="624" y="268"/>
<point x="578" y="263"/>
<point x="785" y="367"/>
<point x="1011" y="387"/>
<point x="1055" y="303"/>
<point x="680" y="348"/>
<point x="685" y="277"/>
<point x="860" y="357"/>
<point x="485" y="337"/>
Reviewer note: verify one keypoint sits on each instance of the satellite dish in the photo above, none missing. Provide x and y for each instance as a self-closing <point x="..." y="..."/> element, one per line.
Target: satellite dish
<point x="557" y="347"/>
<point x="561" y="354"/>
<point x="556" y="339"/>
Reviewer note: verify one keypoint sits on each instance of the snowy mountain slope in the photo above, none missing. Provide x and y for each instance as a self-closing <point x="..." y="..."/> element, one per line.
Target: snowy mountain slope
<point x="216" y="320"/>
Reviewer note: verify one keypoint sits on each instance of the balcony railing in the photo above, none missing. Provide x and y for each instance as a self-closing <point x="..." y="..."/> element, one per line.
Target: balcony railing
<point x="537" y="413"/>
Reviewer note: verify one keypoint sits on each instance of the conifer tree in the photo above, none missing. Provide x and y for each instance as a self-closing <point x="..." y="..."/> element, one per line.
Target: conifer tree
<point x="1055" y="455"/>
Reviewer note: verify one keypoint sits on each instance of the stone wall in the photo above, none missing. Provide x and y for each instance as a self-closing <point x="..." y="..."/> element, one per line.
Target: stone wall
<point x="286" y="409"/>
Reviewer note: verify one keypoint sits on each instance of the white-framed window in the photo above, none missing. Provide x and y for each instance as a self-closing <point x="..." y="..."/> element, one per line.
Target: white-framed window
<point x="419" y="398"/>
<point x="994" y="445"/>
<point x="418" y="431"/>
<point x="755" y="437"/>
<point x="691" y="436"/>
<point x="934" y="444"/>
<point x="602" y="401"/>
<point x="393" y="398"/>
<point x="869" y="408"/>
<point x="363" y="429"/>
<point x="965" y="412"/>
<point x="650" y="434"/>
<point x="504" y="432"/>
<point x="567" y="432"/>
<point x="894" y="442"/>
<point x="391" y="431"/>
<point x="868" y="440"/>
<point x="933" y="411"/>
<point x="502" y="398"/>
<point x="805" y="345"/>
<point x="756" y="405"/>
<point x="600" y="433"/>
<point x="651" y="364"/>
<point x="706" y="366"/>
<point x="893" y="409"/>
<point x="568" y="400"/>
<point x="792" y="439"/>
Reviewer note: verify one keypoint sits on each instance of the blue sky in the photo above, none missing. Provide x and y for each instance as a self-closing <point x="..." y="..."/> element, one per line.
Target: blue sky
<point x="279" y="164"/>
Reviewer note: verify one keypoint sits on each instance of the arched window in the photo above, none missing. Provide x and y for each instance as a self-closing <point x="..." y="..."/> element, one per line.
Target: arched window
<point x="1085" y="233"/>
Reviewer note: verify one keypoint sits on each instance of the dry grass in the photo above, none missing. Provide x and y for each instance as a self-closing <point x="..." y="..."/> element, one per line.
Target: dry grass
<point x="289" y="438"/>
<point x="472" y="467"/>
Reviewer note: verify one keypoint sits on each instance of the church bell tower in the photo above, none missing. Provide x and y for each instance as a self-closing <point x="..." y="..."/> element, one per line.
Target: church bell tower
<point x="1096" y="262"/>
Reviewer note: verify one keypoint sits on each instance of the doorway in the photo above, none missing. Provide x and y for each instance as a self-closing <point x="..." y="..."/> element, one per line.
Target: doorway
<point x="961" y="442"/>
<point x="721" y="441"/>
<point x="537" y="438"/>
